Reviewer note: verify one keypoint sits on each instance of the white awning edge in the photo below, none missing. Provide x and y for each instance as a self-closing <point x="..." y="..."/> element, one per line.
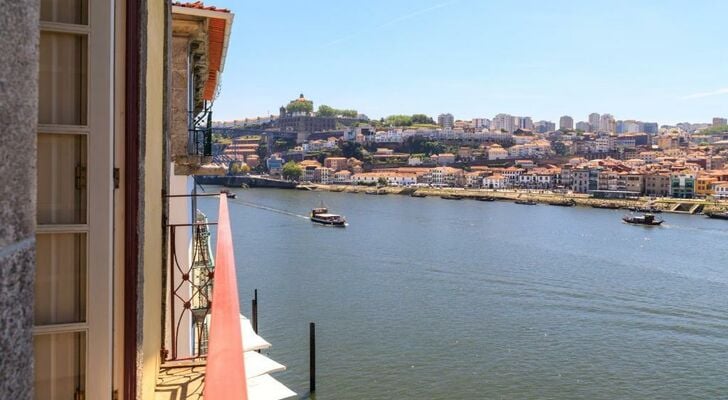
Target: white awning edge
<point x="257" y="364"/>
<point x="251" y="340"/>
<point x="265" y="387"/>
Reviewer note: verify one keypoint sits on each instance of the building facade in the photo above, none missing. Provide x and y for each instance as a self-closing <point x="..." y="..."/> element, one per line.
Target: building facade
<point x="108" y="126"/>
<point x="566" y="123"/>
<point x="446" y="121"/>
<point x="594" y="119"/>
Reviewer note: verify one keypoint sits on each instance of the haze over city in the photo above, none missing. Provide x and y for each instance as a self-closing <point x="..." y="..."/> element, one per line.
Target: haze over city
<point x="647" y="60"/>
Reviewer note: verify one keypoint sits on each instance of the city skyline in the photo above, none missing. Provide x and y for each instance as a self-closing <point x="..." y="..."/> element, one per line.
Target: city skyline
<point x="661" y="64"/>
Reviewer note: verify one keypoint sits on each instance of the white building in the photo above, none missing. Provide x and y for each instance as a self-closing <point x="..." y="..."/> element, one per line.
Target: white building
<point x="720" y="190"/>
<point x="524" y="123"/>
<point x="607" y="123"/>
<point x="583" y="126"/>
<point x="496" y="181"/>
<point x="503" y="122"/>
<point x="496" y="152"/>
<point x="481" y="123"/>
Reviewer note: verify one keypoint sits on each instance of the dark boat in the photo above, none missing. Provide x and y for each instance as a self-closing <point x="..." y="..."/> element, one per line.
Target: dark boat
<point x="608" y="206"/>
<point x="526" y="202"/>
<point x="488" y="198"/>
<point x="563" y="203"/>
<point x="322" y="216"/>
<point x="717" y="215"/>
<point x="418" y="194"/>
<point x="228" y="194"/>
<point x="451" y="197"/>
<point x="646" y="219"/>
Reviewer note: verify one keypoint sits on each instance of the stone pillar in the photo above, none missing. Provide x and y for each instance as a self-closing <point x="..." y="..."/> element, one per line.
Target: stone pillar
<point x="19" y="113"/>
<point x="180" y="97"/>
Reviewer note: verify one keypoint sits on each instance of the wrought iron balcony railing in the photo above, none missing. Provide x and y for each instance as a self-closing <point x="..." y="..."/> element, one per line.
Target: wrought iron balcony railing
<point x="212" y="349"/>
<point x="217" y="340"/>
<point x="200" y="132"/>
<point x="191" y="290"/>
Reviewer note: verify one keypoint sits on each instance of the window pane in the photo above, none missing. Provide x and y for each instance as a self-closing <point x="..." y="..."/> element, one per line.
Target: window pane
<point x="60" y="278"/>
<point x="66" y="11"/>
<point x="62" y="80"/>
<point x="60" y="365"/>
<point x="61" y="194"/>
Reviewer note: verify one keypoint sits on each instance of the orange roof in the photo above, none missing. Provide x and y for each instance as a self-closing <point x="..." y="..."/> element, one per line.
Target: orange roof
<point x="216" y="28"/>
<point x="200" y="6"/>
<point x="216" y="38"/>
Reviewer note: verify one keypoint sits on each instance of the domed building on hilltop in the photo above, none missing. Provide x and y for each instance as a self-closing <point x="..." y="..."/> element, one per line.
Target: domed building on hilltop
<point x="298" y="116"/>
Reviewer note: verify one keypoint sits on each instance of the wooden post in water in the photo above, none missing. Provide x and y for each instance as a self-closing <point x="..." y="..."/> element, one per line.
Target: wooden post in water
<point x="312" y="356"/>
<point x="255" y="311"/>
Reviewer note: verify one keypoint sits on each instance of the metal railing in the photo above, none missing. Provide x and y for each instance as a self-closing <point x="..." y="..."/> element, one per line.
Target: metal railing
<point x="190" y="287"/>
<point x="215" y="331"/>
<point x="200" y="132"/>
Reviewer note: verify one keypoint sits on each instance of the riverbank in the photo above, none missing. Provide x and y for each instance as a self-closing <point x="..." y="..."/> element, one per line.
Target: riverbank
<point x="683" y="206"/>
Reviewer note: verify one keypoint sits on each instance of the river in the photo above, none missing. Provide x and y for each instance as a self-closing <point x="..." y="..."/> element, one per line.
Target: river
<point x="424" y="298"/>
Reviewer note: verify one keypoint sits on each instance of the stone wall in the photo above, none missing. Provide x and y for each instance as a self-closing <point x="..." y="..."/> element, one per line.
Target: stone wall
<point x="18" y="113"/>
<point x="179" y="99"/>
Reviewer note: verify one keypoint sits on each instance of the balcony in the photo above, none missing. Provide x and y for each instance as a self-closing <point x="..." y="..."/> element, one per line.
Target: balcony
<point x="213" y="351"/>
<point x="200" y="133"/>
<point x="192" y="149"/>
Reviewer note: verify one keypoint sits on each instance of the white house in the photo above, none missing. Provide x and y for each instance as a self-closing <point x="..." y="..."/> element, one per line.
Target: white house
<point x="495" y="181"/>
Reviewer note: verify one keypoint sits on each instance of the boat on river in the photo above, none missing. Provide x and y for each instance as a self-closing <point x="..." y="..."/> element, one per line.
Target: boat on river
<point x="645" y="219"/>
<point x="451" y="197"/>
<point x="321" y="215"/>
<point x="605" y="205"/>
<point x="487" y="198"/>
<point x="228" y="194"/>
<point x="418" y="194"/>
<point x="717" y="215"/>
<point x="526" y="202"/>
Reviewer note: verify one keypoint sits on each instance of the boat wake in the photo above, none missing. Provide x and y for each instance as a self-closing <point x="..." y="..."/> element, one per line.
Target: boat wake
<point x="266" y="208"/>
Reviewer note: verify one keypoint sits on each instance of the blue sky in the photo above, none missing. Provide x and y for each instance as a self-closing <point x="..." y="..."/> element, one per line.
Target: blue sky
<point x="664" y="61"/>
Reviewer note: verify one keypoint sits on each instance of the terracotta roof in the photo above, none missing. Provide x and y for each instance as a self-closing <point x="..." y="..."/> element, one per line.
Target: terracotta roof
<point x="200" y="6"/>
<point x="216" y="38"/>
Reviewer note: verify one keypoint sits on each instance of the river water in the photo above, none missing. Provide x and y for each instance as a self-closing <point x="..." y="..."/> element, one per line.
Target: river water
<point x="436" y="299"/>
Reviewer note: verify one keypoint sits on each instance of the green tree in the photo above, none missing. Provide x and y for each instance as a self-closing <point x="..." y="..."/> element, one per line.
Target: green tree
<point x="432" y="147"/>
<point x="305" y="106"/>
<point x="283" y="144"/>
<point x="422" y="119"/>
<point x="560" y="148"/>
<point x="262" y="151"/>
<point x="381" y="181"/>
<point x="292" y="171"/>
<point x="349" y="113"/>
<point x="713" y="130"/>
<point x="398" y="120"/>
<point x="326" y="111"/>
<point x="351" y="149"/>
<point x="237" y="168"/>
<point x="412" y="145"/>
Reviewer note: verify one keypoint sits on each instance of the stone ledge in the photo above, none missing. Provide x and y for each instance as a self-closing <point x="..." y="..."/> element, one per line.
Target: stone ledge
<point x="200" y="169"/>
